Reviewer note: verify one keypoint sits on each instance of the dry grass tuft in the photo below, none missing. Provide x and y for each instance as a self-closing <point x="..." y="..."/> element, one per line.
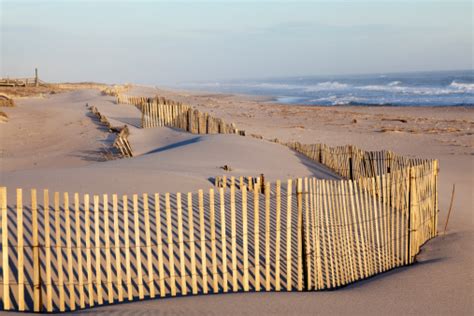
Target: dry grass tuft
<point x="6" y="101"/>
<point x="48" y="88"/>
<point x="115" y="90"/>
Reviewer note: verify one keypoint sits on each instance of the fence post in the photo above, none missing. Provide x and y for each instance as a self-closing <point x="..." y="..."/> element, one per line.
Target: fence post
<point x="6" y="270"/>
<point x="36" y="77"/>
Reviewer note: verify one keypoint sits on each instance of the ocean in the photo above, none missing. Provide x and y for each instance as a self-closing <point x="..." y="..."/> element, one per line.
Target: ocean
<point x="441" y="88"/>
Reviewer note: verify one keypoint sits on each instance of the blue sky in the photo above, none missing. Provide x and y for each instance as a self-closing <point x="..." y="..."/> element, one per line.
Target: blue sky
<point x="168" y="42"/>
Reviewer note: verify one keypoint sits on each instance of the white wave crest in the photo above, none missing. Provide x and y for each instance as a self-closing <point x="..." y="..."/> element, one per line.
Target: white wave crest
<point x="409" y="90"/>
<point x="322" y="86"/>
<point x="327" y="85"/>
<point x="339" y="100"/>
<point x="394" y="83"/>
<point x="462" y="86"/>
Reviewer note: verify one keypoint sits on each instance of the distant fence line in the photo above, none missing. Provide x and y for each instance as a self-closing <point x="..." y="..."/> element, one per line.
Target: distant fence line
<point x="303" y="235"/>
<point x="159" y="111"/>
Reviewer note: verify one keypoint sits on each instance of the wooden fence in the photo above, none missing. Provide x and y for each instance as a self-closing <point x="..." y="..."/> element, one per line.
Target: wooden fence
<point x="64" y="251"/>
<point x="250" y="183"/>
<point x="121" y="142"/>
<point x="159" y="111"/>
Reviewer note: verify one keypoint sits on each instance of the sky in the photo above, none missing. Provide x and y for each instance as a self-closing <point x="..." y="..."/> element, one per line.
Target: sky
<point x="175" y="42"/>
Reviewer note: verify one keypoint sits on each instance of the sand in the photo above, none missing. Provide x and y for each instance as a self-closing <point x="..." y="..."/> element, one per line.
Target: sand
<point x="53" y="142"/>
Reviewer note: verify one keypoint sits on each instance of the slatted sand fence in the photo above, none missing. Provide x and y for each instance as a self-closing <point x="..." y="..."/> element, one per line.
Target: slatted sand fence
<point x="64" y="251"/>
<point x="159" y="111"/>
<point x="121" y="142"/>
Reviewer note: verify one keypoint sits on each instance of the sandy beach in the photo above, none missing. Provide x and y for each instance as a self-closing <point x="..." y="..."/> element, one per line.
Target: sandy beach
<point x="55" y="142"/>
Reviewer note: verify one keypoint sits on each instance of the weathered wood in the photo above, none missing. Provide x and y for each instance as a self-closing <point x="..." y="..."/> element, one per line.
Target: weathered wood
<point x="138" y="250"/>
<point x="128" y="272"/>
<point x="223" y="241"/>
<point x="256" y="238"/>
<point x="245" y="244"/>
<point x="108" y="262"/>
<point x="267" y="237"/>
<point x="202" y="242"/>
<point x="182" y="258"/>
<point x="5" y="252"/>
<point x="21" y="249"/>
<point x="98" y="255"/>
<point x="289" y="191"/>
<point x="47" y="248"/>
<point x="149" y="256"/>
<point x="117" y="250"/>
<point x="159" y="241"/>
<point x="70" y="271"/>
<point x="170" y="245"/>
<point x="212" y="216"/>
<point x="278" y="236"/>
<point x="90" y="291"/>
<point x="37" y="300"/>
<point x="192" y="241"/>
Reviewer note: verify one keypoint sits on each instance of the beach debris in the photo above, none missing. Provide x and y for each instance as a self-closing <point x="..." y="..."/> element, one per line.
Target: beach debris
<point x="354" y="121"/>
<point x="257" y="136"/>
<point x="395" y="120"/>
<point x="226" y="168"/>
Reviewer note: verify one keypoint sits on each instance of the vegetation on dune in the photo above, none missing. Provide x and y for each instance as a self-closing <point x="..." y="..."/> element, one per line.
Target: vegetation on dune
<point x="115" y="90"/>
<point x="48" y="88"/>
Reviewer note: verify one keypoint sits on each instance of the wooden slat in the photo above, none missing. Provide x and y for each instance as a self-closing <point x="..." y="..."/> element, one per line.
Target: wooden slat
<point x="21" y="246"/>
<point x="225" y="286"/>
<point x="245" y="244"/>
<point x="318" y="241"/>
<point x="333" y="234"/>
<point x="108" y="261"/>
<point x="327" y="254"/>
<point x="256" y="234"/>
<point x="235" y="285"/>
<point x="159" y="241"/>
<point x="202" y="242"/>
<point x="88" y="250"/>
<point x="182" y="258"/>
<point x="117" y="250"/>
<point x="47" y="248"/>
<point x="278" y="236"/>
<point x="59" y="255"/>
<point x="70" y="271"/>
<point x="37" y="303"/>
<point x="308" y="203"/>
<point x="267" y="237"/>
<point x="128" y="272"/>
<point x="98" y="256"/>
<point x="289" y="188"/>
<point x="347" y="231"/>
<point x="376" y="222"/>
<point x="192" y="246"/>
<point x="5" y="252"/>
<point x="212" y="215"/>
<point x="344" y="244"/>
<point x="299" y="234"/>
<point x="78" y="250"/>
<point x="169" y="229"/>
<point x="138" y="249"/>
<point x="151" y="281"/>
